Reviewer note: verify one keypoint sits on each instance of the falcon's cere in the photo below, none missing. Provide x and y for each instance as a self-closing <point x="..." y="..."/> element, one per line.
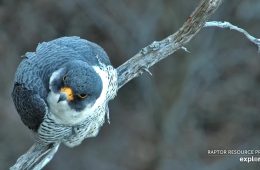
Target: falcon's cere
<point x="61" y="91"/>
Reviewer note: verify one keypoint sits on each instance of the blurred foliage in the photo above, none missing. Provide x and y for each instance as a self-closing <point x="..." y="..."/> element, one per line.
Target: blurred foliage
<point x="208" y="99"/>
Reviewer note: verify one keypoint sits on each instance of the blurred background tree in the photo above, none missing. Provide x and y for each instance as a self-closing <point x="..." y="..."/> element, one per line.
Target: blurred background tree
<point x="209" y="99"/>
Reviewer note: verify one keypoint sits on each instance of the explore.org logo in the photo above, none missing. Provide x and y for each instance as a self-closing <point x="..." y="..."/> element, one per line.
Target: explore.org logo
<point x="246" y="156"/>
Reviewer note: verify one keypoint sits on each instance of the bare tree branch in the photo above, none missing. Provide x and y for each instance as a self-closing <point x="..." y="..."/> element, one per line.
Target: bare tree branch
<point x="38" y="156"/>
<point x="159" y="50"/>
<point x="230" y="26"/>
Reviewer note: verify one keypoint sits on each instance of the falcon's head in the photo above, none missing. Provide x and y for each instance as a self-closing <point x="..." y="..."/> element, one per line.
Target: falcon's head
<point x="75" y="91"/>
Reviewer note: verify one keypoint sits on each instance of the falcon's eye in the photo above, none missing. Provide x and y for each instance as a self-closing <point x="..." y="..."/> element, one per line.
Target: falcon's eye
<point x="64" y="78"/>
<point x="82" y="95"/>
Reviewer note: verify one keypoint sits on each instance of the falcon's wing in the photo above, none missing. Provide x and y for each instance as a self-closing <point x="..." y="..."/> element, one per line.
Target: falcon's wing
<point x="30" y="106"/>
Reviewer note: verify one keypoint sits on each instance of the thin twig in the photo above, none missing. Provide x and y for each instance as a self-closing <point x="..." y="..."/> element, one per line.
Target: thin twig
<point x="230" y="26"/>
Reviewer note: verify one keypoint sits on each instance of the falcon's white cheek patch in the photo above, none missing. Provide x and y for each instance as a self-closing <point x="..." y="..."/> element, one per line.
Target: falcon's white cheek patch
<point x="54" y="76"/>
<point x="63" y="113"/>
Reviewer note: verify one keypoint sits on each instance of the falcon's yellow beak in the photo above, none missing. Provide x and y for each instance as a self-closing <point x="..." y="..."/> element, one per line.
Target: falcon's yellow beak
<point x="68" y="92"/>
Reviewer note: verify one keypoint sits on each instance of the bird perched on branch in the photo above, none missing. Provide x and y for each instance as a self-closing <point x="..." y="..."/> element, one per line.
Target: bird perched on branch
<point x="61" y="90"/>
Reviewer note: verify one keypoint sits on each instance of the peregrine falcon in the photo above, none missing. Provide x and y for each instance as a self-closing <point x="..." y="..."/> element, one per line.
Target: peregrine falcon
<point x="61" y="91"/>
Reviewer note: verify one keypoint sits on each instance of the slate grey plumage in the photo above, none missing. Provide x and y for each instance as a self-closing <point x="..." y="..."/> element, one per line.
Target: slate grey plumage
<point x="39" y="78"/>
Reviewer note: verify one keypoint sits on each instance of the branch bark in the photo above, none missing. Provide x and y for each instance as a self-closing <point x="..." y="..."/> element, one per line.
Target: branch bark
<point x="38" y="156"/>
<point x="157" y="51"/>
